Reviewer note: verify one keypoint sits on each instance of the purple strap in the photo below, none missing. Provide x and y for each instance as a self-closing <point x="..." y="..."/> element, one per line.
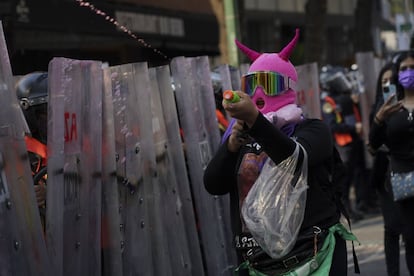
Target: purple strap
<point x="287" y="129"/>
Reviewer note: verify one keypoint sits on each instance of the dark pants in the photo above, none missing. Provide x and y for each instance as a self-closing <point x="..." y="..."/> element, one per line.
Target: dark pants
<point x="406" y="208"/>
<point x="392" y="232"/>
<point x="390" y="213"/>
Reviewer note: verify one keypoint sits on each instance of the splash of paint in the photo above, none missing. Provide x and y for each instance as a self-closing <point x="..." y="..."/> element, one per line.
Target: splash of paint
<point x="118" y="25"/>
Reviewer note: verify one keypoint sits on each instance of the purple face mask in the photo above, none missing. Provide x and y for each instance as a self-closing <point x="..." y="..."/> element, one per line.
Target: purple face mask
<point x="406" y="78"/>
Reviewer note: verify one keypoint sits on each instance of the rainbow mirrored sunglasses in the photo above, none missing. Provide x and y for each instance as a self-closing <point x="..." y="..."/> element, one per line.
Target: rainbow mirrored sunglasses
<point x="273" y="83"/>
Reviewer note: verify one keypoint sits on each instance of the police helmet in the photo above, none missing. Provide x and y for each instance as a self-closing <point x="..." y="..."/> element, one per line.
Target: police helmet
<point x="32" y="93"/>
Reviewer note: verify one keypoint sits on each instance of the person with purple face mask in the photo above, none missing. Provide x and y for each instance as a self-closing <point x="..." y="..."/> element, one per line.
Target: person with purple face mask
<point x="267" y="123"/>
<point x="393" y="126"/>
<point x="380" y="178"/>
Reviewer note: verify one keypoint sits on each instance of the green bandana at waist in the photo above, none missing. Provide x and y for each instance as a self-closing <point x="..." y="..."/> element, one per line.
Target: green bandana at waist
<point x="320" y="264"/>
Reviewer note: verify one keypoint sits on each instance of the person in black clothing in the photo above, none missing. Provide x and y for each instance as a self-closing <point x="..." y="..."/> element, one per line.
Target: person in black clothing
<point x="380" y="179"/>
<point x="393" y="126"/>
<point x="267" y="113"/>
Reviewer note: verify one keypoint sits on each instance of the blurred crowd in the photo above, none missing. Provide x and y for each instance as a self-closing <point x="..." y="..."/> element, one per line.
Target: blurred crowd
<point x="341" y="88"/>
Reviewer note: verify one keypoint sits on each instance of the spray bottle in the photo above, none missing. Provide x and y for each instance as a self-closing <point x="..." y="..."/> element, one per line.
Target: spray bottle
<point x="231" y="96"/>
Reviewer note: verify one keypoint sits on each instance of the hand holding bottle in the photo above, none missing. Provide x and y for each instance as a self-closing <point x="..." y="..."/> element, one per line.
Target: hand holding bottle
<point x="241" y="107"/>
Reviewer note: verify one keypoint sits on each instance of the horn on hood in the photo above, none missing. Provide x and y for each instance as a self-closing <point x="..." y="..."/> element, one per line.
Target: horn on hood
<point x="251" y="54"/>
<point x="285" y="53"/>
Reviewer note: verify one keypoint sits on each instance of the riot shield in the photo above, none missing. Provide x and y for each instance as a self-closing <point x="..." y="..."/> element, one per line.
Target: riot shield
<point x="184" y="203"/>
<point x="369" y="67"/>
<point x="111" y="222"/>
<point x="226" y="80"/>
<point x="22" y="245"/>
<point x="235" y="77"/>
<point x="308" y="92"/>
<point x="205" y="95"/>
<point x="135" y="167"/>
<point x="74" y="168"/>
<point x="244" y="68"/>
<point x="198" y="152"/>
<point x="175" y="227"/>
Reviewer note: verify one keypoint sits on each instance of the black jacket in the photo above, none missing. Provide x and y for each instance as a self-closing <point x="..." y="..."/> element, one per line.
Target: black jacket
<point x="220" y="176"/>
<point x="397" y="133"/>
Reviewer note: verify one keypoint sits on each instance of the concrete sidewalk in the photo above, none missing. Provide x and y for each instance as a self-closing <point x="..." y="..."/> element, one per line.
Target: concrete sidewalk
<point x="370" y="253"/>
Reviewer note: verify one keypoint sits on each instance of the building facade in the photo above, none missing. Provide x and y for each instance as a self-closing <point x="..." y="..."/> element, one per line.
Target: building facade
<point x="124" y="31"/>
<point x="116" y="32"/>
<point x="270" y="24"/>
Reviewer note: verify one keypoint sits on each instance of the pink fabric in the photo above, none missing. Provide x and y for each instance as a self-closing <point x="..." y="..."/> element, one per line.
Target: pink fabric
<point x="273" y="103"/>
<point x="251" y="54"/>
<point x="272" y="62"/>
<point x="287" y="51"/>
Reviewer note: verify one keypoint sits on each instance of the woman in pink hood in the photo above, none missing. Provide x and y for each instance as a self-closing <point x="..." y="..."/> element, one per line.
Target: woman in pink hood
<point x="267" y="123"/>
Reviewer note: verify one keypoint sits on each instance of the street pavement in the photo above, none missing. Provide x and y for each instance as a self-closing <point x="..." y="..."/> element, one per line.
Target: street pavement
<point x="370" y="251"/>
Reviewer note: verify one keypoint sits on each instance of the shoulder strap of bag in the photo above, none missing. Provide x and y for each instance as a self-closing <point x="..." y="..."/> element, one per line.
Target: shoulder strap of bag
<point x="337" y="161"/>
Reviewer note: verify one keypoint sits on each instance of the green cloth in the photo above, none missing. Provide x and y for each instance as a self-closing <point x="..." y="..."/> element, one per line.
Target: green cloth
<point x="320" y="265"/>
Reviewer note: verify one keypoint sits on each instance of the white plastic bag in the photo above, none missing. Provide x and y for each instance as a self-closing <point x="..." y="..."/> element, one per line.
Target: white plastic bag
<point x="274" y="208"/>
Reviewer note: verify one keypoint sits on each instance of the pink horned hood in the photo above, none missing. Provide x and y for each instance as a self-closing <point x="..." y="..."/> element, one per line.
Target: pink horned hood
<point x="272" y="61"/>
<point x="279" y="63"/>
